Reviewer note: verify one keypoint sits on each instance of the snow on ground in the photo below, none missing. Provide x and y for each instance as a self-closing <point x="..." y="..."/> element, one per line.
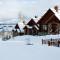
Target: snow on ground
<point x="16" y="49"/>
<point x="33" y="39"/>
<point x="23" y="40"/>
<point x="28" y="52"/>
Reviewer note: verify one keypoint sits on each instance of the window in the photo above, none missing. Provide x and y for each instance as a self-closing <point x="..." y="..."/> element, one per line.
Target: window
<point x="45" y="27"/>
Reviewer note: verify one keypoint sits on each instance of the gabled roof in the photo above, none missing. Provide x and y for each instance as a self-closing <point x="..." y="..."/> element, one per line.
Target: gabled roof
<point x="57" y="14"/>
<point x="49" y="15"/>
<point x="46" y="16"/>
<point x="27" y="26"/>
<point x="35" y="20"/>
<point x="36" y="27"/>
<point x="30" y="27"/>
<point x="21" y="26"/>
<point x="17" y="26"/>
<point x="31" y="22"/>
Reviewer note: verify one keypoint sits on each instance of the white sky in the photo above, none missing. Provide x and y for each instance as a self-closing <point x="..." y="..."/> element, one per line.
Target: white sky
<point x="11" y="8"/>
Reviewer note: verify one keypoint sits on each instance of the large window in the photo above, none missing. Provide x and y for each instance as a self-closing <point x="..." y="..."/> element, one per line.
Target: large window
<point x="43" y="28"/>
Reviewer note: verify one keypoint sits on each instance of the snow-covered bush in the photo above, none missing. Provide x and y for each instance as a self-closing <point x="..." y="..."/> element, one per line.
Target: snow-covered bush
<point x="7" y="35"/>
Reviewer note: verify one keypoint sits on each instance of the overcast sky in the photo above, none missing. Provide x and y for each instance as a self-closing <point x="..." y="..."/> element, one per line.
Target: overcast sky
<point x="11" y="8"/>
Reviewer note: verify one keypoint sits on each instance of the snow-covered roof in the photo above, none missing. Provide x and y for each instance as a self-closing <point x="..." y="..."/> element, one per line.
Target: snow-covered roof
<point x="18" y="30"/>
<point x="57" y="14"/>
<point x="26" y="21"/>
<point x="32" y="27"/>
<point x="29" y="26"/>
<point x="36" y="27"/>
<point x="36" y="19"/>
<point x="21" y="26"/>
<point x="16" y="49"/>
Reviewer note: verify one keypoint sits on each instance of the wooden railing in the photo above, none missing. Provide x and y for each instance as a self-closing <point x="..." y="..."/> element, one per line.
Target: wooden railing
<point x="52" y="42"/>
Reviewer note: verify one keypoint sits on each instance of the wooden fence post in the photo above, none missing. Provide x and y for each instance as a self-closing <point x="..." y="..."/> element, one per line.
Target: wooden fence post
<point x="58" y="43"/>
<point x="48" y="43"/>
<point x="51" y="42"/>
<point x="42" y="41"/>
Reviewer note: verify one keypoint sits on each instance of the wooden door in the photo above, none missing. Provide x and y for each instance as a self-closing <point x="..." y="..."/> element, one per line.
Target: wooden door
<point x="53" y="28"/>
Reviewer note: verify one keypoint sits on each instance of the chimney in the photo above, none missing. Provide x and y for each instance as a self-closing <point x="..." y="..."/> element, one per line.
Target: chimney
<point x="35" y="16"/>
<point x="56" y="8"/>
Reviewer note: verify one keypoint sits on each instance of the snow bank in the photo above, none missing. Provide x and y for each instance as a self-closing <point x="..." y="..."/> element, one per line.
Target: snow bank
<point x="16" y="49"/>
<point x="24" y="52"/>
<point x="32" y="39"/>
<point x="25" y="39"/>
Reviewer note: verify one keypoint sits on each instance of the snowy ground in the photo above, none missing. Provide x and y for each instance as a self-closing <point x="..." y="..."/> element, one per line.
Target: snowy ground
<point x="28" y="52"/>
<point x="36" y="40"/>
<point x="16" y="49"/>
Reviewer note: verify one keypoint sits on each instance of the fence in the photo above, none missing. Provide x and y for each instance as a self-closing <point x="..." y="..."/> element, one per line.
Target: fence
<point x="52" y="42"/>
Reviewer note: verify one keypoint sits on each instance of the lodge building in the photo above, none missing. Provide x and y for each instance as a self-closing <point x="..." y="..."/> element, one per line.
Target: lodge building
<point x="31" y="28"/>
<point x="49" y="23"/>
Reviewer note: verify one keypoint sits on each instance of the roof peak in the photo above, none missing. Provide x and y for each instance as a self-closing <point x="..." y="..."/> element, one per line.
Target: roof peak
<point x="57" y="14"/>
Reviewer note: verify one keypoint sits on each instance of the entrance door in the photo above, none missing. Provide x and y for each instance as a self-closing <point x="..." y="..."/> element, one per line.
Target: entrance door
<point x="53" y="28"/>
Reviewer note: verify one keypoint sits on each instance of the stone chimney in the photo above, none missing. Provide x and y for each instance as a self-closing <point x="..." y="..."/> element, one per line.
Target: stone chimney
<point x="56" y="8"/>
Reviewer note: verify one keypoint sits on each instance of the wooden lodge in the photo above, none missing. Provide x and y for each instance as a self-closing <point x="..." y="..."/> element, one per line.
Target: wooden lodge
<point x="31" y="22"/>
<point x="31" y="28"/>
<point x="49" y="22"/>
<point x="16" y="30"/>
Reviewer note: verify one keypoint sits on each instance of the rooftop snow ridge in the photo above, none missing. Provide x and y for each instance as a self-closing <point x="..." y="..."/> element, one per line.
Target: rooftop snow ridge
<point x="36" y="19"/>
<point x="57" y="14"/>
